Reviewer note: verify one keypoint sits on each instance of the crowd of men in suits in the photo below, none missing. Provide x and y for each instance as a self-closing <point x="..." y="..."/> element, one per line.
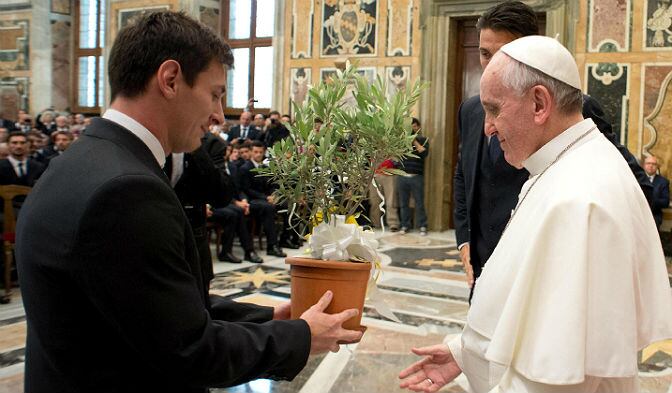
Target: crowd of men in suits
<point x="28" y="145"/>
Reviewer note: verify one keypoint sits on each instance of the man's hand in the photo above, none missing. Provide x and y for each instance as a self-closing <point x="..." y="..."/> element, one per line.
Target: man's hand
<point x="271" y="199"/>
<point x="325" y="329"/>
<point x="431" y="373"/>
<point x="282" y="311"/>
<point x="243" y="204"/>
<point x="465" y="256"/>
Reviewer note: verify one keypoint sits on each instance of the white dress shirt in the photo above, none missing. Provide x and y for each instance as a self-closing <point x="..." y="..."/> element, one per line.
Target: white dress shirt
<point x="15" y="164"/>
<point x="140" y="131"/>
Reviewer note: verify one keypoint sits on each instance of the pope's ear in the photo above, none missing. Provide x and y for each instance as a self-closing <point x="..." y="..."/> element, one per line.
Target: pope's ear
<point x="543" y="102"/>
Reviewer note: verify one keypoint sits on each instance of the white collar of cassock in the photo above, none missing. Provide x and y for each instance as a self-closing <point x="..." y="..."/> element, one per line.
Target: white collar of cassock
<point x="540" y="159"/>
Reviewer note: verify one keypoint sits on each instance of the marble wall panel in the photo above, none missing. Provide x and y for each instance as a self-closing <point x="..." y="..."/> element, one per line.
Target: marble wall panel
<point x="658" y="18"/>
<point x="609" y="25"/>
<point x="61" y="6"/>
<point x="397" y="78"/>
<point x="300" y="83"/>
<point x="608" y="84"/>
<point x="60" y="60"/>
<point x="14" y="45"/>
<point x="127" y="16"/>
<point x="399" y="27"/>
<point x="210" y="17"/>
<point x="14" y="95"/>
<point x="657" y="112"/>
<point x="302" y="29"/>
<point x="349" y="27"/>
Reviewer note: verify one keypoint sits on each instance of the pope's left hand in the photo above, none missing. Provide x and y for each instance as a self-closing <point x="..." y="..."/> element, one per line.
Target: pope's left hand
<point x="282" y="311"/>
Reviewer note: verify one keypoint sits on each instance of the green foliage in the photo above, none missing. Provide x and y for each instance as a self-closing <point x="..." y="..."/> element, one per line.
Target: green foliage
<point x="331" y="169"/>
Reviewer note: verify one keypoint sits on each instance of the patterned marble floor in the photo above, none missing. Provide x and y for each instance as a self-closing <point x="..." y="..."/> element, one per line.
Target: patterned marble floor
<point x="422" y="282"/>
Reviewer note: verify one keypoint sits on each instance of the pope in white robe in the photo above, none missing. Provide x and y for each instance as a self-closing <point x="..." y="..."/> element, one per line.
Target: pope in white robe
<point x="577" y="284"/>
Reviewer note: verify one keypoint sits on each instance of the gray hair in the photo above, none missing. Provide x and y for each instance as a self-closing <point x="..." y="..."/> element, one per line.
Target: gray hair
<point x="520" y="77"/>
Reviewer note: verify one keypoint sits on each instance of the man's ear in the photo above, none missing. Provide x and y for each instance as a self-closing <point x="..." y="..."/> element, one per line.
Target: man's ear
<point x="543" y="103"/>
<point x="167" y="77"/>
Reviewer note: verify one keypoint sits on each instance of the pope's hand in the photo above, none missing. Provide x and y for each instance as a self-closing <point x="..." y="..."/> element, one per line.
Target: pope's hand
<point x="431" y="373"/>
<point x="465" y="256"/>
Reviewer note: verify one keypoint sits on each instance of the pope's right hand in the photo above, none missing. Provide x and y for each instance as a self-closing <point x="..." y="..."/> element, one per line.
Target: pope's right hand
<point x="465" y="256"/>
<point x="431" y="373"/>
<point x="325" y="329"/>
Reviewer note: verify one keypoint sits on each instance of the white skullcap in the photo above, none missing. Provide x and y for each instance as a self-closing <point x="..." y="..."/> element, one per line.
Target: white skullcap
<point x="547" y="55"/>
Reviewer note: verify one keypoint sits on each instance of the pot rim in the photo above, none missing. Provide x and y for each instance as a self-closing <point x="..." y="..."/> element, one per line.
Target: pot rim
<point x="328" y="264"/>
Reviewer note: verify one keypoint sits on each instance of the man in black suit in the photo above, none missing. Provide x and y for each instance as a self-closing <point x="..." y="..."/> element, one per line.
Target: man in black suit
<point x="112" y="286"/>
<point x="18" y="168"/>
<point x="486" y="187"/>
<point x="661" y="188"/>
<point x="232" y="218"/>
<point x="245" y="130"/>
<point x="259" y="193"/>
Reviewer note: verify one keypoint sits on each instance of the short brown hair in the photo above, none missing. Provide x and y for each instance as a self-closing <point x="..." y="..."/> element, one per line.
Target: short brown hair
<point x="140" y="48"/>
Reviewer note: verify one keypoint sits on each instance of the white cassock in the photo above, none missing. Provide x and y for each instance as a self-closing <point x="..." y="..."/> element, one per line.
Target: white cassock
<point x="577" y="284"/>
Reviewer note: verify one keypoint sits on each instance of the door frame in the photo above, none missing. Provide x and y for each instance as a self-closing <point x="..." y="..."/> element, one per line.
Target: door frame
<point x="438" y="24"/>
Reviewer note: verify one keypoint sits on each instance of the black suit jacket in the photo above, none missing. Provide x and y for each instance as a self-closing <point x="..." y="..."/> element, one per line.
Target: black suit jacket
<point x="9" y="176"/>
<point x="253" y="133"/>
<point x="253" y="186"/>
<point x="471" y="121"/>
<point x="661" y="197"/>
<point x="112" y="285"/>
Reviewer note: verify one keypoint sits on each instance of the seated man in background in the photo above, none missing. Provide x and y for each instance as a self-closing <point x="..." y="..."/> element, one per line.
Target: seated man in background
<point x="19" y="168"/>
<point x="245" y="130"/>
<point x="232" y="218"/>
<point x="661" y="188"/>
<point x="258" y="191"/>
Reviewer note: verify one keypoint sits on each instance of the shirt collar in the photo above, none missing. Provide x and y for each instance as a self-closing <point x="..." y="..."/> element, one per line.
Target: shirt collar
<point x="543" y="157"/>
<point x="138" y="130"/>
<point x="15" y="162"/>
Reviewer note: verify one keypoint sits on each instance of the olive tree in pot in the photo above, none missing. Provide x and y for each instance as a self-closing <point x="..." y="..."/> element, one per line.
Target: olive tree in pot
<point x="324" y="175"/>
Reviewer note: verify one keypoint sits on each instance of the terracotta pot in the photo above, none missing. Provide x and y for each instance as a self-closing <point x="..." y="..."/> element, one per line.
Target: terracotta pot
<point x="311" y="278"/>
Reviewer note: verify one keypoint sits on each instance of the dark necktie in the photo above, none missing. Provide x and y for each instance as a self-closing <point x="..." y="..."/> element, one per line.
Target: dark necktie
<point x="243" y="134"/>
<point x="22" y="173"/>
<point x="494" y="150"/>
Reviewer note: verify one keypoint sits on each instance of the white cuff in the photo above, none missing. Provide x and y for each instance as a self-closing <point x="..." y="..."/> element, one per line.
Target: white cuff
<point x="455" y="345"/>
<point x="462" y="245"/>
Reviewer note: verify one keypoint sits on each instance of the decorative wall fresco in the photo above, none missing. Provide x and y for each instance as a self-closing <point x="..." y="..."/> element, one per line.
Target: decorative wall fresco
<point x="349" y="27"/>
<point x="369" y="73"/>
<point x="396" y="78"/>
<point x="658" y="35"/>
<point x="210" y="17"/>
<point x="399" y="27"/>
<point x="608" y="84"/>
<point x="60" y="60"/>
<point x="300" y="83"/>
<point x="14" y="45"/>
<point x="13" y="96"/>
<point x="302" y="29"/>
<point x="128" y="15"/>
<point x="609" y="25"/>
<point x="657" y="112"/>
<point x="61" y="6"/>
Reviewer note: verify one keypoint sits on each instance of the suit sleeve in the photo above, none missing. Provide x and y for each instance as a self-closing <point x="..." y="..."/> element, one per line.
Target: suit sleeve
<point x="142" y="285"/>
<point x="460" y="192"/>
<point x="593" y="110"/>
<point x="661" y="197"/>
<point x="228" y="310"/>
